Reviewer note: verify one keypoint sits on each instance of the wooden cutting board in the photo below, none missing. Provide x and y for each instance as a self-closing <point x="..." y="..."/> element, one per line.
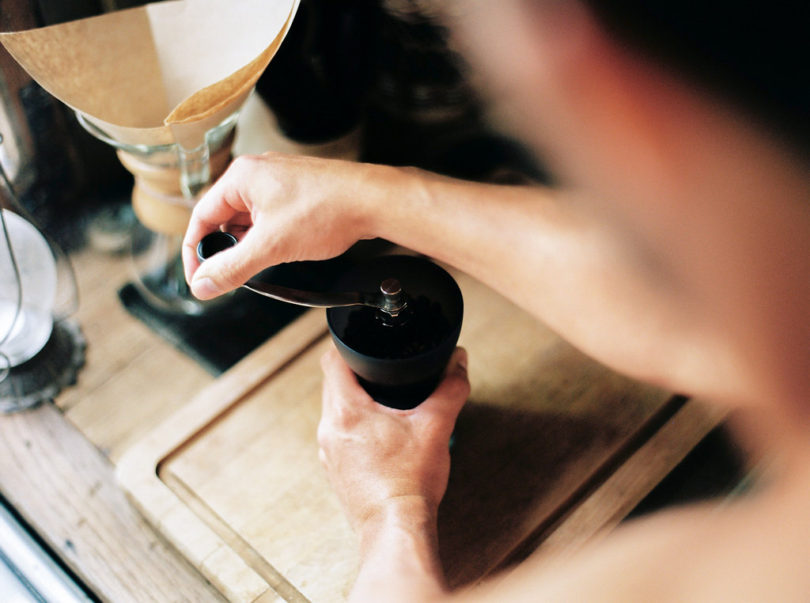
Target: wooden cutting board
<point x="234" y="482"/>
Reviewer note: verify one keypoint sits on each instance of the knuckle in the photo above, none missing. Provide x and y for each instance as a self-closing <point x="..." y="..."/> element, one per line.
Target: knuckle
<point x="320" y="435"/>
<point x="246" y="161"/>
<point x="324" y="435"/>
<point x="327" y="358"/>
<point x="243" y="165"/>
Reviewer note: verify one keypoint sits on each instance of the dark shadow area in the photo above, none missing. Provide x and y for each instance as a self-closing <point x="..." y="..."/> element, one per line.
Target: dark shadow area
<point x="713" y="469"/>
<point x="511" y="470"/>
<point x="514" y="472"/>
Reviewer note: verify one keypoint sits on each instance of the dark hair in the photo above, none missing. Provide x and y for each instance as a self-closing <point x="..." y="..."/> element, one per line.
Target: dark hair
<point x="752" y="53"/>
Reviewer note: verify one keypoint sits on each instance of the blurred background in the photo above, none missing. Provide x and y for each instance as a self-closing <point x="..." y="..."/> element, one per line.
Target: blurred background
<point x="378" y="73"/>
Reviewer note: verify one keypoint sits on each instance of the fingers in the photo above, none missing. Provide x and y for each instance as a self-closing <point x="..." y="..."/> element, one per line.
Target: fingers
<point x="451" y="394"/>
<point x="342" y="400"/>
<point x="337" y="371"/>
<point x="271" y="198"/>
<point x="340" y="385"/>
<point x="216" y="207"/>
<point x="228" y="203"/>
<point x="232" y="267"/>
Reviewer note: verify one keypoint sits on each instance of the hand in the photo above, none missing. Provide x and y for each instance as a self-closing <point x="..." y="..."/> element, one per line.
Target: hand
<point x="375" y="455"/>
<point x="282" y="208"/>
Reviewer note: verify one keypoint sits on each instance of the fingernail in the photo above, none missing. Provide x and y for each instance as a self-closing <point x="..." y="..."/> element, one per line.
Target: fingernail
<point x="205" y="288"/>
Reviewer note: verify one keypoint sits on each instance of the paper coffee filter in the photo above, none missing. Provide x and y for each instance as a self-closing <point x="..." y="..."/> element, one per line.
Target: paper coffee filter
<point x="157" y="73"/>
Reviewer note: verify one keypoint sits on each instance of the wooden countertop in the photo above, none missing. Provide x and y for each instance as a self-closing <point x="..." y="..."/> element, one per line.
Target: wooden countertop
<point x="57" y="463"/>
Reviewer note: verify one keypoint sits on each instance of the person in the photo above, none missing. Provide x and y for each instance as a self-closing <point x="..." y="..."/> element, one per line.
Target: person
<point x="674" y="247"/>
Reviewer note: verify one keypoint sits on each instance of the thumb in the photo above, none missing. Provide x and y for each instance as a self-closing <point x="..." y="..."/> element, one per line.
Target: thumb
<point x="230" y="268"/>
<point x="451" y="394"/>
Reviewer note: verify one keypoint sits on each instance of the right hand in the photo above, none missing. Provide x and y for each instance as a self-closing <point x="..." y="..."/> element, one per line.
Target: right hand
<point x="282" y="208"/>
<point x="377" y="457"/>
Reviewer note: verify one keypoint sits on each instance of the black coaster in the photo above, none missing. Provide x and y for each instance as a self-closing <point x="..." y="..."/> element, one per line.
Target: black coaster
<point x="223" y="335"/>
<point x="43" y="376"/>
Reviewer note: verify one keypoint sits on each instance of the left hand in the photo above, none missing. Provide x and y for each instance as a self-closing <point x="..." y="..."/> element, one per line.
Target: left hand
<point x="378" y="457"/>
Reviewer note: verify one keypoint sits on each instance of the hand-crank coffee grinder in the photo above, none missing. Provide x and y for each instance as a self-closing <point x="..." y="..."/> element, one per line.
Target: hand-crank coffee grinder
<point x="395" y="320"/>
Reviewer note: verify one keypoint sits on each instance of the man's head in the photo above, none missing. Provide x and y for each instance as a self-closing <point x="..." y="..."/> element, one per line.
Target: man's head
<point x="691" y="171"/>
<point x="556" y="67"/>
<point x="750" y="54"/>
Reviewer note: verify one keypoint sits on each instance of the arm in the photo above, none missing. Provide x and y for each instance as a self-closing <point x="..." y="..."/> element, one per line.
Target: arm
<point x="389" y="469"/>
<point x="584" y="271"/>
<point x="573" y="264"/>
<point x="593" y="274"/>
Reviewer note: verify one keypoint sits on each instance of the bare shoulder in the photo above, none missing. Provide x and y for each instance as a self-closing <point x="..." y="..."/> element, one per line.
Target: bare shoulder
<point x="755" y="549"/>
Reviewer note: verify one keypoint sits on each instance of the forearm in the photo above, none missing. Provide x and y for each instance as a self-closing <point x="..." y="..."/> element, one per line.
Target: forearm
<point x="399" y="555"/>
<point x="496" y="233"/>
<point x="584" y="273"/>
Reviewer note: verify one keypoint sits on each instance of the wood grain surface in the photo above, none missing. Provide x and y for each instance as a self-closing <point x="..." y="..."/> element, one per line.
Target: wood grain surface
<point x="57" y="465"/>
<point x="546" y="428"/>
<point x="132" y="379"/>
<point x="65" y="488"/>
